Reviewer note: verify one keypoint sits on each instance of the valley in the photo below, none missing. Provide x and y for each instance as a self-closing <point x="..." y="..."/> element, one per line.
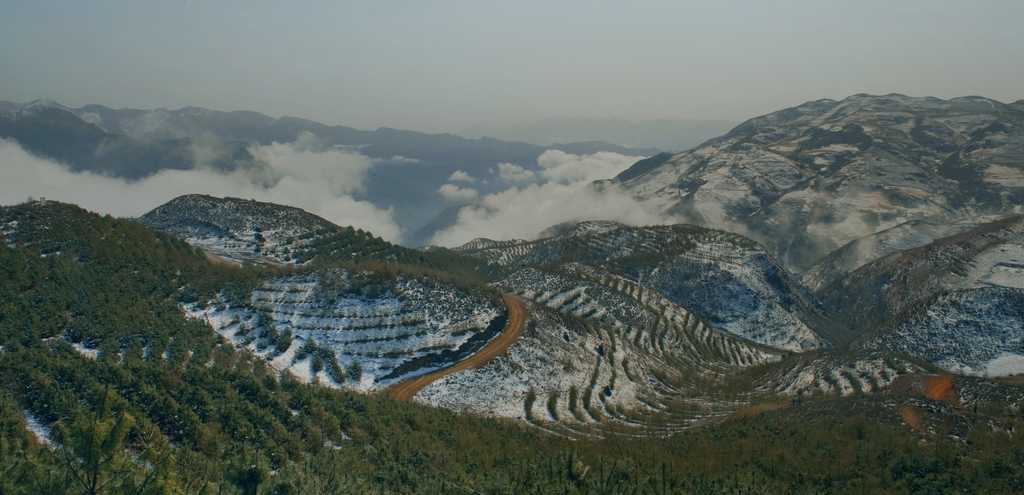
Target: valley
<point x="225" y="324"/>
<point x="511" y="248"/>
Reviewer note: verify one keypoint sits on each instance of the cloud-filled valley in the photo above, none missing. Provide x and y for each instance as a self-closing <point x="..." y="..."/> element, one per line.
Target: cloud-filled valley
<point x="322" y="182"/>
<point x="331" y="182"/>
<point x="562" y="190"/>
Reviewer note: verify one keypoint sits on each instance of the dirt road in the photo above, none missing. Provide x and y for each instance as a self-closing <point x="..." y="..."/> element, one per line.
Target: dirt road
<point x="513" y="329"/>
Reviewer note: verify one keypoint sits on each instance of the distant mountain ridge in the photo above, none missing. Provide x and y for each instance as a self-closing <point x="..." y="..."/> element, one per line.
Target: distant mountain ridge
<point x="195" y="123"/>
<point x="408" y="169"/>
<point x="665" y="134"/>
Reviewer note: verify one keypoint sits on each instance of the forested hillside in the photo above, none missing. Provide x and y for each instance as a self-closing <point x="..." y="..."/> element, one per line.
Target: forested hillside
<point x="106" y="387"/>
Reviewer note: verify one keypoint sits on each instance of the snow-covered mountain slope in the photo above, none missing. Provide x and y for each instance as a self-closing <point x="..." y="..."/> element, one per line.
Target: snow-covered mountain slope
<point x="613" y="342"/>
<point x="604" y="355"/>
<point x="957" y="303"/>
<point x="730" y="281"/>
<point x="356" y="330"/>
<point x="807" y="180"/>
<point x="601" y="353"/>
<point x="835" y="374"/>
<point x="860" y="252"/>
<point x="246" y="230"/>
<point x="978" y="331"/>
<point x="879" y="292"/>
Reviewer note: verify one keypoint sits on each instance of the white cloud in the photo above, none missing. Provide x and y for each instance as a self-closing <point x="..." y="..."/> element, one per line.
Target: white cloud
<point x="522" y="212"/>
<point x="559" y="166"/>
<point x="404" y="159"/>
<point x="514" y="174"/>
<point x="456" y="194"/>
<point x="461" y="176"/>
<point x="319" y="182"/>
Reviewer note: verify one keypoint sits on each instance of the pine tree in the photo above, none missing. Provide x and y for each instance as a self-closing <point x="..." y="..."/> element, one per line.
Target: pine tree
<point x="93" y="449"/>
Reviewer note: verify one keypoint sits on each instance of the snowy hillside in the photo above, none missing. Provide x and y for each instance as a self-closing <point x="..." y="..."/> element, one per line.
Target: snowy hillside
<point x="862" y="251"/>
<point x="989" y="255"/>
<point x="386" y="329"/>
<point x="246" y="230"/>
<point x="976" y="332"/>
<point x="728" y="280"/>
<point x="956" y="303"/>
<point x="599" y="354"/>
<point x="807" y="180"/>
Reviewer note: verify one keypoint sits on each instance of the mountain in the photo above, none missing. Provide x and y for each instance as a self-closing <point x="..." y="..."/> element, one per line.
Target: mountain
<point x="405" y="326"/>
<point x="689" y="323"/>
<point x="384" y="142"/>
<point x="989" y="255"/>
<point x="408" y="168"/>
<point x="973" y="331"/>
<point x="861" y="251"/>
<point x="148" y="340"/>
<point x="807" y="180"/>
<point x="58" y="134"/>
<point x="246" y="230"/>
<point x="954" y="302"/>
<point x="725" y="278"/>
<point x="620" y="321"/>
<point x="665" y="134"/>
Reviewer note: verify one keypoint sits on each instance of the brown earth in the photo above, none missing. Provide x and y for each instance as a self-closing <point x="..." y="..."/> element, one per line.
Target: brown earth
<point x="513" y="329"/>
<point x="940" y="387"/>
<point x="931" y="387"/>
<point x="912" y="416"/>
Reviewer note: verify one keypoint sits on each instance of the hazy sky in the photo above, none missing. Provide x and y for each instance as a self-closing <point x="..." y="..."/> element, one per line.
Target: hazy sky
<point x="437" y="65"/>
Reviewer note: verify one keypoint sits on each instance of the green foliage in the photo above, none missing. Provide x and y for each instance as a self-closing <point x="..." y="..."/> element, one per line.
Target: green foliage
<point x="167" y="407"/>
<point x="553" y="405"/>
<point x="355" y="371"/>
<point x="574" y="405"/>
<point x="531" y="398"/>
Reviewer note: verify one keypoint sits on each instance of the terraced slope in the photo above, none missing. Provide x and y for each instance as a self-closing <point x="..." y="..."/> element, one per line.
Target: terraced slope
<point x="651" y="321"/>
<point x="357" y="330"/>
<point x="609" y="356"/>
<point x="836" y="374"/>
<point x="730" y="281"/>
<point x="358" y="312"/>
<point x="604" y="355"/>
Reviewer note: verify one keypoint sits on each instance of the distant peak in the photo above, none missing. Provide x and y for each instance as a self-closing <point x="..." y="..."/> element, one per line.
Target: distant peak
<point x="42" y="104"/>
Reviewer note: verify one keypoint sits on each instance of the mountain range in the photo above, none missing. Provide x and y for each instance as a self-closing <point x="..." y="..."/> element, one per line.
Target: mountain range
<point x="408" y="169"/>
<point x="843" y="273"/>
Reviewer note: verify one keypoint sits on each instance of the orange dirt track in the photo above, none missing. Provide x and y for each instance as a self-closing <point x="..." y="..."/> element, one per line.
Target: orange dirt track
<point x="513" y="329"/>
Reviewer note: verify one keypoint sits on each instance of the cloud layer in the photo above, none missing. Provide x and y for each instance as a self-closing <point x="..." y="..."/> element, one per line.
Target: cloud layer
<point x="461" y="176"/>
<point x="562" y="191"/>
<point x="515" y="174"/>
<point x="455" y="194"/>
<point x="322" y="182"/>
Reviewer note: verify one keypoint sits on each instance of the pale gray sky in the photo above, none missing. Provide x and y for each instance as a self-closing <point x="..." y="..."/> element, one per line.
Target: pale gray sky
<point x="447" y="65"/>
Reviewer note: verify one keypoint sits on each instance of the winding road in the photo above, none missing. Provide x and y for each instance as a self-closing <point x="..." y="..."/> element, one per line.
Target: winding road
<point x="498" y="345"/>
